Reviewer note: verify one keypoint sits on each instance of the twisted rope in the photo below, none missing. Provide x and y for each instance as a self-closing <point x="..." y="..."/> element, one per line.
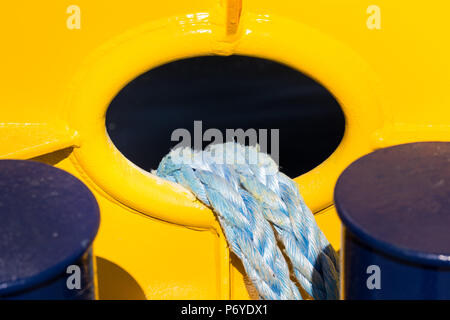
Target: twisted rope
<point x="249" y="195"/>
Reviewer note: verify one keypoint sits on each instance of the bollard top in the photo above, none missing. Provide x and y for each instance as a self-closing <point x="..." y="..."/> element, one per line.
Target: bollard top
<point x="48" y="219"/>
<point x="397" y="200"/>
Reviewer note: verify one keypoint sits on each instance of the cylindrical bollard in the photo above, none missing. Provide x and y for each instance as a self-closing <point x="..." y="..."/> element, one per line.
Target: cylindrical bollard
<point x="395" y="208"/>
<point x="48" y="220"/>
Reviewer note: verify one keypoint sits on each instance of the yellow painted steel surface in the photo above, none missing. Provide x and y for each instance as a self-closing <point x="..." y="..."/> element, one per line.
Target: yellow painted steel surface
<point x="156" y="241"/>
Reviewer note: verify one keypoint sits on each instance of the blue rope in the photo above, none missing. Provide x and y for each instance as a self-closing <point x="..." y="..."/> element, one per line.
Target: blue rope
<point x="252" y="199"/>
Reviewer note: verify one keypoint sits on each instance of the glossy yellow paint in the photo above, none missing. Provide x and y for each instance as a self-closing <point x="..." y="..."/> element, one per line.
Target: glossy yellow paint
<point x="156" y="240"/>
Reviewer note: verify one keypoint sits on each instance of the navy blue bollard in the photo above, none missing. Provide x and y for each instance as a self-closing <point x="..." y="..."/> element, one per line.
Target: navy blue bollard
<point x="48" y="220"/>
<point x="395" y="207"/>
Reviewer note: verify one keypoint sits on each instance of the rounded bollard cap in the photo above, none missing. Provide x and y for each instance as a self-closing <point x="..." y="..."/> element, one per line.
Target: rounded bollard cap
<point x="397" y="200"/>
<point x="48" y="219"/>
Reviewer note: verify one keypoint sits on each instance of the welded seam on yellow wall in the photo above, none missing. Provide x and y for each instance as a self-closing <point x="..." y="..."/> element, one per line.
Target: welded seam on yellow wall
<point x="65" y="138"/>
<point x="234" y="8"/>
<point x="397" y="133"/>
<point x="229" y="13"/>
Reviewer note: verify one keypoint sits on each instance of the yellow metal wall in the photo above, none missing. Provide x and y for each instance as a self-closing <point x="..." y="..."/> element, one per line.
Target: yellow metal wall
<point x="156" y="240"/>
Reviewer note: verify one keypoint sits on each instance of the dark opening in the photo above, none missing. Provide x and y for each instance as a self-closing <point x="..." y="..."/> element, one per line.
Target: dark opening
<point x="226" y="93"/>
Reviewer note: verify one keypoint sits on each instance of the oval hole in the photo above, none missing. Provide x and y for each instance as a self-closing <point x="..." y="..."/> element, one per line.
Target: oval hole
<point x="226" y="93"/>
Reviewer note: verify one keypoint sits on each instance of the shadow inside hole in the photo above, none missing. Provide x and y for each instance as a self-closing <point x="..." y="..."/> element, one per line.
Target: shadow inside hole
<point x="226" y="93"/>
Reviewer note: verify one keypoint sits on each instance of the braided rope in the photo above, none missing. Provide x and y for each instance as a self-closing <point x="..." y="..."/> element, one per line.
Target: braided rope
<point x="249" y="195"/>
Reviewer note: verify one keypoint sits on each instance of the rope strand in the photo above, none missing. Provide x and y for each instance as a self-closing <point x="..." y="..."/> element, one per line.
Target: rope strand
<point x="248" y="194"/>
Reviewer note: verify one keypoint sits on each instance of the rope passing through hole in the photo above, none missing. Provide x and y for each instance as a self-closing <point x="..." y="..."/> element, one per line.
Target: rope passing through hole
<point x="257" y="205"/>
